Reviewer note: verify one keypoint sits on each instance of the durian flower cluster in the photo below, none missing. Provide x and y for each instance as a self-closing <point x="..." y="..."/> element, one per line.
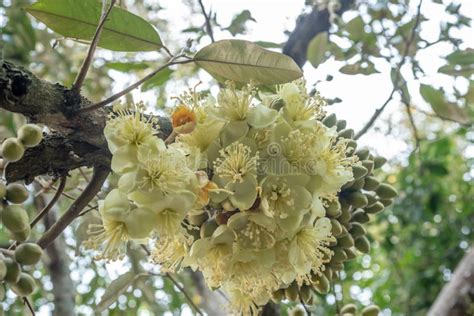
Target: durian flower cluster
<point x="238" y="191"/>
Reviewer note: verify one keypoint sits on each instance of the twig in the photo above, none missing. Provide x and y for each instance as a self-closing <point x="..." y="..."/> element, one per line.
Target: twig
<point x="207" y="17"/>
<point x="81" y="76"/>
<point x="135" y="85"/>
<point x="413" y="126"/>
<point x="98" y="178"/>
<point x="397" y="76"/>
<point x="7" y="252"/>
<point x="182" y="290"/>
<point x="302" y="303"/>
<point x="57" y="195"/>
<point x="27" y="302"/>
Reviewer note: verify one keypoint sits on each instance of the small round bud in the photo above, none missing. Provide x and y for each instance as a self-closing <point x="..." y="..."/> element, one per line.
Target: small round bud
<point x="363" y="154"/>
<point x="379" y="162"/>
<point x="334" y="209"/>
<point x="349" y="309"/>
<point x="357" y="199"/>
<point x="346" y="133"/>
<point x="336" y="227"/>
<point x="278" y="295"/>
<point x="330" y="120"/>
<point x="21" y="236"/>
<point x="360" y="216"/>
<point x="362" y="244"/>
<point x="291" y="292"/>
<point x="359" y="171"/>
<point x="357" y="185"/>
<point x="386" y="191"/>
<point x="386" y="202"/>
<point x="12" y="149"/>
<point x="371" y="199"/>
<point x="371" y="184"/>
<point x="30" y="135"/>
<point x="369" y="165"/>
<point x="322" y="285"/>
<point x="371" y="310"/>
<point x="339" y="255"/>
<point x="28" y="254"/>
<point x="13" y="270"/>
<point x="16" y="193"/>
<point x="25" y="285"/>
<point x="350" y="253"/>
<point x="375" y="209"/>
<point x="15" y="218"/>
<point x="341" y="125"/>
<point x="345" y="241"/>
<point x="357" y="230"/>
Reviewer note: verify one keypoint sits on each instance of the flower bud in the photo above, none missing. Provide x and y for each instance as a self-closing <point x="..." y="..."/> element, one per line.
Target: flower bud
<point x="386" y="191"/>
<point x="12" y="149"/>
<point x="339" y="255"/>
<point x="345" y="241"/>
<point x="371" y="183"/>
<point x="16" y="193"/>
<point x="297" y="311"/>
<point x="371" y="199"/>
<point x="28" y="254"/>
<point x="15" y="218"/>
<point x="371" y="310"/>
<point x="357" y="230"/>
<point x="25" y="285"/>
<point x="357" y="185"/>
<point x="3" y="190"/>
<point x="341" y="125"/>
<point x="375" y="209"/>
<point x="349" y="309"/>
<point x="322" y="285"/>
<point x="345" y="216"/>
<point x="305" y="293"/>
<point x="369" y="165"/>
<point x="13" y="270"/>
<point x="336" y="227"/>
<point x="346" y="133"/>
<point x="278" y="295"/>
<point x="291" y="292"/>
<point x="362" y="244"/>
<point x="360" y="216"/>
<point x="334" y="209"/>
<point x="30" y="135"/>
<point x="359" y="171"/>
<point x="208" y="228"/>
<point x="330" y="120"/>
<point x="357" y="199"/>
<point x="328" y="273"/>
<point x="386" y="202"/>
<point x="350" y="253"/>
<point x="363" y="154"/>
<point x="22" y="235"/>
<point x="379" y="162"/>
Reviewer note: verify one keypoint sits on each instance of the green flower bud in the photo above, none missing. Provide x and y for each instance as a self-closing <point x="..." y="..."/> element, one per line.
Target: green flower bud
<point x="345" y="216"/>
<point x="369" y="165"/>
<point x="328" y="273"/>
<point x="30" y="135"/>
<point x="339" y="255"/>
<point x="330" y="120"/>
<point x="208" y="228"/>
<point x="350" y="253"/>
<point x="357" y="230"/>
<point x="336" y="227"/>
<point x="25" y="285"/>
<point x="371" y="184"/>
<point x="15" y="218"/>
<point x="3" y="269"/>
<point x="278" y="295"/>
<point x="352" y="144"/>
<point x="16" y="193"/>
<point x="349" y="309"/>
<point x="362" y="244"/>
<point x="305" y="293"/>
<point x="322" y="285"/>
<point x="379" y="162"/>
<point x="360" y="216"/>
<point x="297" y="311"/>
<point x="334" y="209"/>
<point x="357" y="199"/>
<point x="359" y="171"/>
<point x="363" y="154"/>
<point x="341" y="125"/>
<point x="375" y="209"/>
<point x="22" y="235"/>
<point x="386" y="191"/>
<point x="345" y="241"/>
<point x="3" y="190"/>
<point x="357" y="185"/>
<point x="28" y="254"/>
<point x="291" y="292"/>
<point x="12" y="149"/>
<point x="371" y="310"/>
<point x="346" y="133"/>
<point x="371" y="199"/>
<point x="386" y="202"/>
<point x="336" y="266"/>
<point x="13" y="271"/>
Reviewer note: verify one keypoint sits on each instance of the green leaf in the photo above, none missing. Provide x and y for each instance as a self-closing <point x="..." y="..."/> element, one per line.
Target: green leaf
<point x="243" y="61"/>
<point x="237" y="26"/>
<point x="126" y="67"/>
<point x="462" y="57"/>
<point x="457" y="70"/>
<point x="123" y="31"/>
<point x="443" y="108"/>
<point x="266" y="44"/>
<point x="355" y="27"/>
<point x="117" y="288"/>
<point x="317" y="49"/>
<point x="157" y="80"/>
<point x="360" y="68"/>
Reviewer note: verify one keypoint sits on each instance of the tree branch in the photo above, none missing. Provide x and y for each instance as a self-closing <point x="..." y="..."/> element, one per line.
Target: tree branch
<point x="81" y="76"/>
<point x="47" y="208"/>
<point x="207" y="19"/>
<point x="98" y="179"/>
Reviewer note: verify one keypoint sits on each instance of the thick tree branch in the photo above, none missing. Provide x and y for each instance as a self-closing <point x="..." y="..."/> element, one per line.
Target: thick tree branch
<point x="307" y="27"/>
<point x="98" y="179"/>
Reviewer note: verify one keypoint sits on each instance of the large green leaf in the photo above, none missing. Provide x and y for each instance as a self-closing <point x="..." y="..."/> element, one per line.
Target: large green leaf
<point x="443" y="108"/>
<point x="243" y="61"/>
<point x="123" y="31"/>
<point x="317" y="49"/>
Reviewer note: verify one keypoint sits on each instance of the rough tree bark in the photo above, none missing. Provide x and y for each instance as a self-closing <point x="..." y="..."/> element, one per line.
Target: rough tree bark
<point x="457" y="297"/>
